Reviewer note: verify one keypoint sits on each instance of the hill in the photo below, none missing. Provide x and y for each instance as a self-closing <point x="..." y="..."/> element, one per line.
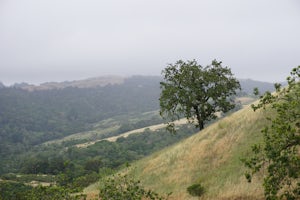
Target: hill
<point x="85" y="83"/>
<point x="2" y="85"/>
<point x="248" y="85"/>
<point x="70" y="115"/>
<point x="211" y="157"/>
<point x="29" y="118"/>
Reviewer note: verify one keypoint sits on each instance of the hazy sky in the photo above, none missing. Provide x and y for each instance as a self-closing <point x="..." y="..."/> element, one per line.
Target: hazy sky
<point x="56" y="40"/>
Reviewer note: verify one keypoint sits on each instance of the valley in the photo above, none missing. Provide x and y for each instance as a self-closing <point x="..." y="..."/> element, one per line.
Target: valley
<point x="129" y="134"/>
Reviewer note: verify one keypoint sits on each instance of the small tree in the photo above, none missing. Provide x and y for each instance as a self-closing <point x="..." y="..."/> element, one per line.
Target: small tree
<point x="196" y="92"/>
<point x="280" y="150"/>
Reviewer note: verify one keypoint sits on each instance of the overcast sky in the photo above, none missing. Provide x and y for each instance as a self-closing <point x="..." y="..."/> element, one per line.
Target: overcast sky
<point x="57" y="40"/>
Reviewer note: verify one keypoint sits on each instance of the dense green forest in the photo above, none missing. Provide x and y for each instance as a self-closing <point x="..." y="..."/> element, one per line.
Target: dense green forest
<point x="31" y="117"/>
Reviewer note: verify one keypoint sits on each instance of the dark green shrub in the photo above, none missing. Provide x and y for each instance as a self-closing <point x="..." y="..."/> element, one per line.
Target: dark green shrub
<point x="196" y="190"/>
<point x="52" y="193"/>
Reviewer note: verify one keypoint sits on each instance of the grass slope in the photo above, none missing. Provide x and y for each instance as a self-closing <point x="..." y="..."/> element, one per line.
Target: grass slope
<point x="211" y="157"/>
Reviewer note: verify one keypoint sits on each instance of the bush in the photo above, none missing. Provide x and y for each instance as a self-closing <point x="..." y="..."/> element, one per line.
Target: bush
<point x="52" y="193"/>
<point x="119" y="187"/>
<point x="196" y="190"/>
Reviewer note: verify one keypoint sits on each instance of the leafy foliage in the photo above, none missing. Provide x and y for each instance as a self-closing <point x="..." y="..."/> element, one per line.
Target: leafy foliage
<point x="19" y="191"/>
<point x="280" y="152"/>
<point x="12" y="190"/>
<point x="120" y="187"/>
<point x="196" y="92"/>
<point x="51" y="193"/>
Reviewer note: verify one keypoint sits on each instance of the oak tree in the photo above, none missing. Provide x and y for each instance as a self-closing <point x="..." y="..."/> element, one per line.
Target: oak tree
<point x="196" y="92"/>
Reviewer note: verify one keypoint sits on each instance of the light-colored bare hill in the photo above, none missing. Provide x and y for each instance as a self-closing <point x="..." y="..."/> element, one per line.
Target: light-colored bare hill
<point x="211" y="157"/>
<point x="86" y="83"/>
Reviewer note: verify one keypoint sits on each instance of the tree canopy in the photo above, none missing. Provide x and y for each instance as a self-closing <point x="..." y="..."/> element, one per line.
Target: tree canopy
<point x="196" y="92"/>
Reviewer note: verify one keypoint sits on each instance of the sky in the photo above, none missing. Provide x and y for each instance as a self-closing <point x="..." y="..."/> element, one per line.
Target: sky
<point x="58" y="40"/>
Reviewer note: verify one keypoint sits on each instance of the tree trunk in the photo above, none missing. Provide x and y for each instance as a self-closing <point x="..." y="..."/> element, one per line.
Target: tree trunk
<point x="199" y="119"/>
<point x="201" y="125"/>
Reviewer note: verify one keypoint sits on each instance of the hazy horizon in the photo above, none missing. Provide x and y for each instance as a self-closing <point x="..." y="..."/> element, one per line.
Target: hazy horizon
<point x="113" y="76"/>
<point x="56" y="41"/>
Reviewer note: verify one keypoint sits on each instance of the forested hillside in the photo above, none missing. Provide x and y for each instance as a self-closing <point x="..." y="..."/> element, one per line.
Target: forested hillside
<point x="32" y="117"/>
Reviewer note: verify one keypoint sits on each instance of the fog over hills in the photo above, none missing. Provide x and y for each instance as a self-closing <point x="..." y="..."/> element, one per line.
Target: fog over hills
<point x="246" y="84"/>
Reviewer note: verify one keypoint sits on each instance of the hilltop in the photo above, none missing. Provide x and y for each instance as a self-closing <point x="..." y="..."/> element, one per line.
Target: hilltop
<point x="85" y="83"/>
<point x="247" y="86"/>
<point x="211" y="157"/>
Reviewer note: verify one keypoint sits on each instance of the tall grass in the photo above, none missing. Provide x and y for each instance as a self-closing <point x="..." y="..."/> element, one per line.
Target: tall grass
<point x="211" y="157"/>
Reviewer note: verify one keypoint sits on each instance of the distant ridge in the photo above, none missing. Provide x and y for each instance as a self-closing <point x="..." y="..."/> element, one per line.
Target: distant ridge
<point x="85" y="83"/>
<point x="247" y="84"/>
<point x="2" y="85"/>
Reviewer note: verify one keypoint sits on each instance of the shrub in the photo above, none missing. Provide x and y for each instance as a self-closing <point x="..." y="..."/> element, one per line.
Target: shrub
<point x="119" y="187"/>
<point x="196" y="190"/>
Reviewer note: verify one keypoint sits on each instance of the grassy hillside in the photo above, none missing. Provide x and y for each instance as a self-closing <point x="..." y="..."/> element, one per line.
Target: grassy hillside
<point x="211" y="157"/>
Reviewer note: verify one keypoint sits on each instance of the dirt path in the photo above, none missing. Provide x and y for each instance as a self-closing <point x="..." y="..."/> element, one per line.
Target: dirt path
<point x="126" y="134"/>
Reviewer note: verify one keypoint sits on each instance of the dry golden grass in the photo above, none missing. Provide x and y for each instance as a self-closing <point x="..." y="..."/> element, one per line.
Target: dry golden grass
<point x="92" y="191"/>
<point x="86" y="83"/>
<point x="211" y="157"/>
<point x="246" y="100"/>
